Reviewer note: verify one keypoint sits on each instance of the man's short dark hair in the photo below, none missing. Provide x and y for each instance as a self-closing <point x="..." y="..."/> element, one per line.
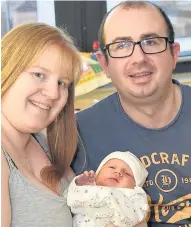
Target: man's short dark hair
<point x="135" y="5"/>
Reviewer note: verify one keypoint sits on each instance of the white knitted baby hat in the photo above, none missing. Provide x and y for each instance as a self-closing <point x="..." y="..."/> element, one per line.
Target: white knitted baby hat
<point x="136" y="166"/>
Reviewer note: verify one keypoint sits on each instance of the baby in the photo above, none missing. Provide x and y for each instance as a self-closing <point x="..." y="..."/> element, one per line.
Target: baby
<point x="111" y="197"/>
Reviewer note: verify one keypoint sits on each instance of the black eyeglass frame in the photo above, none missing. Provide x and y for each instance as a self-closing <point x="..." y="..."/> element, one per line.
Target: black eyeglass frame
<point x="106" y="47"/>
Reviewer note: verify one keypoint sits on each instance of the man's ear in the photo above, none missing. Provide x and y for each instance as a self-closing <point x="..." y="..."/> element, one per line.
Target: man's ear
<point x="176" y="52"/>
<point x="102" y="61"/>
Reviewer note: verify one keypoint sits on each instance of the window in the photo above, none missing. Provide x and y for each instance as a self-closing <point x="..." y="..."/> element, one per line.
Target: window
<point x="14" y="13"/>
<point x="17" y="12"/>
<point x="179" y="13"/>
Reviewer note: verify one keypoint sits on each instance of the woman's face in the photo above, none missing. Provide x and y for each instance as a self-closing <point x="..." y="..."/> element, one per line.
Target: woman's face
<point x="39" y="94"/>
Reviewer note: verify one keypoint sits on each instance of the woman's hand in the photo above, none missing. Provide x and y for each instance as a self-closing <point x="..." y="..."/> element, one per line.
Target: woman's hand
<point x="87" y="178"/>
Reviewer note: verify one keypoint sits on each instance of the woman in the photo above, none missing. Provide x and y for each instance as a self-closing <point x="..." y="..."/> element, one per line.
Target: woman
<point x="40" y="67"/>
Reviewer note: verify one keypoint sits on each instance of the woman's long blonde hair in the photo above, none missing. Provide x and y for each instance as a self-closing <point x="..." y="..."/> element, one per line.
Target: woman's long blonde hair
<point x="20" y="48"/>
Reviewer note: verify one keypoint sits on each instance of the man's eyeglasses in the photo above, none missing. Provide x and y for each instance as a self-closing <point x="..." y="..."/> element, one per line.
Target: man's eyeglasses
<point x="125" y="48"/>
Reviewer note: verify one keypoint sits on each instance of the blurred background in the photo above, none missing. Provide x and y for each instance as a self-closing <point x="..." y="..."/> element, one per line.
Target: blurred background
<point x="82" y="20"/>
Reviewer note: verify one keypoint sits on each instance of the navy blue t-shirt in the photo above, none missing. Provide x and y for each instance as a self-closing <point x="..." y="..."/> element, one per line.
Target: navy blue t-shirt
<point x="165" y="152"/>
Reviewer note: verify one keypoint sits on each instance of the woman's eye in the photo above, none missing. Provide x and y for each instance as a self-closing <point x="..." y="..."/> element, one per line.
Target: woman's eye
<point x="62" y="83"/>
<point x="111" y="167"/>
<point x="39" y="75"/>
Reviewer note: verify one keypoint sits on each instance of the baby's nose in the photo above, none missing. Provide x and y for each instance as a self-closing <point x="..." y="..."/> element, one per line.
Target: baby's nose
<point x="119" y="173"/>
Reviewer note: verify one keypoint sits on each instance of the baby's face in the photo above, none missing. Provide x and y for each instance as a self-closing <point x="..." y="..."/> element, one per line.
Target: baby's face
<point x="116" y="173"/>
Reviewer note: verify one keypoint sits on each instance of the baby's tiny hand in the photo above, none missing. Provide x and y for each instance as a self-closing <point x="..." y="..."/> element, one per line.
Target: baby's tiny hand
<point x="87" y="178"/>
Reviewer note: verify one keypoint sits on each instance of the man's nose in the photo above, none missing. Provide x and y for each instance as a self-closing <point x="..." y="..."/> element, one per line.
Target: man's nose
<point x="138" y="55"/>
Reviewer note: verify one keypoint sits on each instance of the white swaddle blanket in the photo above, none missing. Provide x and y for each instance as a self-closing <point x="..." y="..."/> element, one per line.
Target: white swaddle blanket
<point x="97" y="206"/>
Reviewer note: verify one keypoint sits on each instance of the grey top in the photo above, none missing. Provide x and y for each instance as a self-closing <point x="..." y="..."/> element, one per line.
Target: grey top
<point x="35" y="207"/>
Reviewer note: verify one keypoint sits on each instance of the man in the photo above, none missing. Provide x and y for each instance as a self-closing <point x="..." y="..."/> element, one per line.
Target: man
<point x="150" y="115"/>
